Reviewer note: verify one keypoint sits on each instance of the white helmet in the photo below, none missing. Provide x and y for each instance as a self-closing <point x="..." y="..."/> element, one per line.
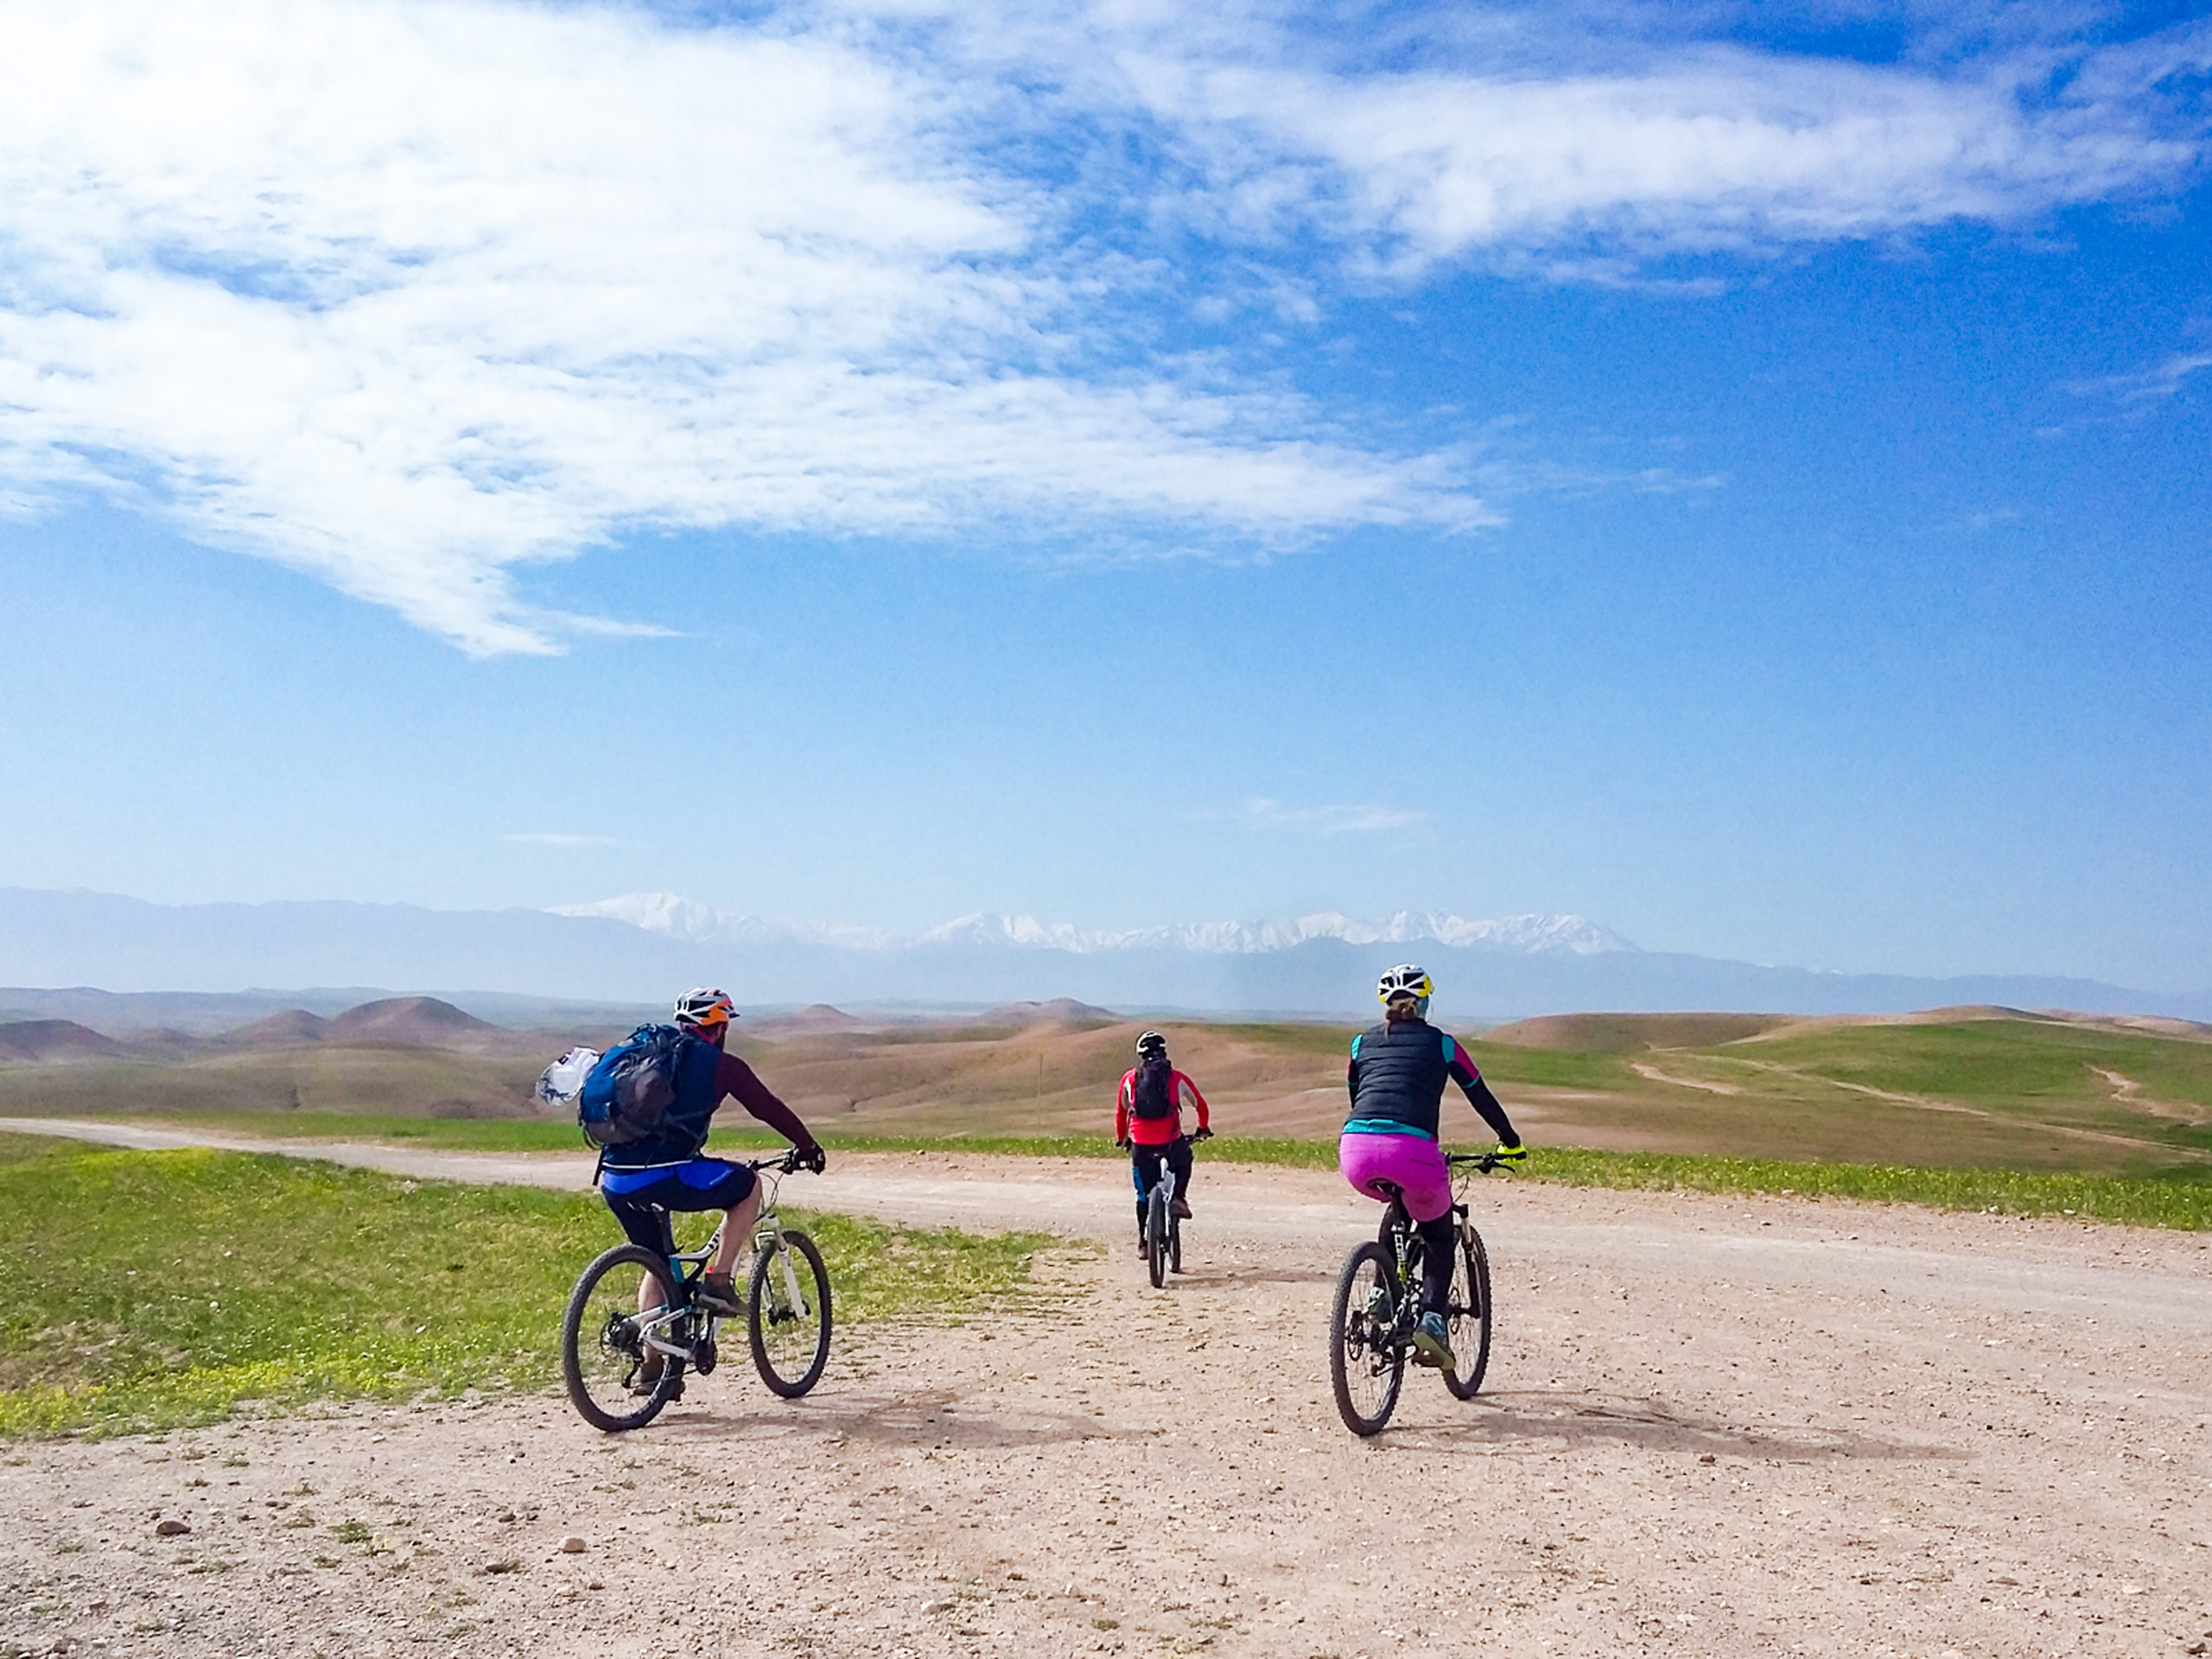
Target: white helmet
<point x="1406" y="983"/>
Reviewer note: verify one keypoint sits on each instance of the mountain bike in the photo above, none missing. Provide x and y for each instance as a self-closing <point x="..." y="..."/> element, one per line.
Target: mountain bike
<point x="1377" y="1306"/>
<point x="1163" y="1231"/>
<point x="623" y="1364"/>
<point x="1163" y="1228"/>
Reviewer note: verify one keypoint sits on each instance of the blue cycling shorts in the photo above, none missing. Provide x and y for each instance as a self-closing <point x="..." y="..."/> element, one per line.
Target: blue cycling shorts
<point x="642" y="1198"/>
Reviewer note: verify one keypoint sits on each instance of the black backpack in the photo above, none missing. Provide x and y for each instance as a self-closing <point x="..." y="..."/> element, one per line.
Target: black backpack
<point x="1154" y="1096"/>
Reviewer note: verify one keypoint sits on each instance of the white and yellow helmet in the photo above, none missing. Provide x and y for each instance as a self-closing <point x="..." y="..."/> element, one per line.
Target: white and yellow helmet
<point x="1408" y="981"/>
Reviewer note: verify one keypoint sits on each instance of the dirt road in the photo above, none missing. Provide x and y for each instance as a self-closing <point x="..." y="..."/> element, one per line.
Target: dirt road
<point x="1712" y="1427"/>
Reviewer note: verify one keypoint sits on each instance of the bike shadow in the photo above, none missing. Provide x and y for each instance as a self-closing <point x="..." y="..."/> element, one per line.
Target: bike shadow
<point x="1535" y="1420"/>
<point x="1203" y="1277"/>
<point x="929" y="1420"/>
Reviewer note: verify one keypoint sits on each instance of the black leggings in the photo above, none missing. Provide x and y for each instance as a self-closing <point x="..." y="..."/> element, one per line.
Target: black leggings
<point x="1439" y="1242"/>
<point x="1144" y="1171"/>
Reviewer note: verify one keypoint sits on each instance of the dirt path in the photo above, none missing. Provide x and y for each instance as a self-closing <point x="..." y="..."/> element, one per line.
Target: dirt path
<point x="1712" y="1425"/>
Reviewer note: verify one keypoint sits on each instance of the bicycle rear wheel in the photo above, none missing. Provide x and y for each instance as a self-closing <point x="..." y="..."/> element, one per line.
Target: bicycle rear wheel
<point x="1158" y="1224"/>
<point x="1467" y="1318"/>
<point x="790" y="1336"/>
<point x="1366" y="1364"/>
<point x="603" y="1355"/>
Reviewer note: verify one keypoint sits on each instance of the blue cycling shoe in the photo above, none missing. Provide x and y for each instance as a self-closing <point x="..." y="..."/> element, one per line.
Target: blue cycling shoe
<point x="1432" y="1344"/>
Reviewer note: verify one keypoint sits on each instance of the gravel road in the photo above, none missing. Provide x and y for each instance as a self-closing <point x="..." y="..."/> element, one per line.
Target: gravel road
<point x="1712" y="1425"/>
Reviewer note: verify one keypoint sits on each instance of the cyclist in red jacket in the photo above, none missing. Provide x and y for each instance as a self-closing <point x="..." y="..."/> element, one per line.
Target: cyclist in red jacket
<point x="1148" y="1121"/>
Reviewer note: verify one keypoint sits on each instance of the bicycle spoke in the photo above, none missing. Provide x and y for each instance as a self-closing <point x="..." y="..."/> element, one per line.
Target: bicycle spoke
<point x="787" y="1321"/>
<point x="614" y="1377"/>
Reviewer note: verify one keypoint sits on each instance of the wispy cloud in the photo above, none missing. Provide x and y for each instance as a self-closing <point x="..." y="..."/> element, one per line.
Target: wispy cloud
<point x="2152" y="385"/>
<point x="1589" y="176"/>
<point x="1327" y="820"/>
<point x="414" y="296"/>
<point x="555" y="838"/>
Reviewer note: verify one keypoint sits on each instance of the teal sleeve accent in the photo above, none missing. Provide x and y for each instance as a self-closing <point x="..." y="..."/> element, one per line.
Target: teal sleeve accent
<point x="1355" y="1045"/>
<point x="1450" y="1049"/>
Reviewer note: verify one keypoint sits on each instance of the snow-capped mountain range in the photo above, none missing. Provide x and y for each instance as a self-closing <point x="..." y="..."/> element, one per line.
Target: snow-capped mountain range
<point x="641" y="949"/>
<point x="684" y="918"/>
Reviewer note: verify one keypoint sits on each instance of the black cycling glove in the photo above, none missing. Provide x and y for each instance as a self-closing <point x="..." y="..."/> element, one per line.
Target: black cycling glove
<point x="811" y="1158"/>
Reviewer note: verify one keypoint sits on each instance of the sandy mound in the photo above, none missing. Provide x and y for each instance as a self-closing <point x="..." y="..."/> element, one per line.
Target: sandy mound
<point x="46" y="1042"/>
<point x="421" y="1021"/>
<point x="290" y="1029"/>
<point x="1060" y="1011"/>
<point x="1632" y="1033"/>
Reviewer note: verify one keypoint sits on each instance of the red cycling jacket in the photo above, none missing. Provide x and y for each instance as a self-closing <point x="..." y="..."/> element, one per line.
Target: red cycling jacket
<point x="1155" y="1131"/>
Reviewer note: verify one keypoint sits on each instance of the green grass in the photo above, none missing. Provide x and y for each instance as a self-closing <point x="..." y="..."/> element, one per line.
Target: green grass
<point x="147" y="1290"/>
<point x="2014" y="1063"/>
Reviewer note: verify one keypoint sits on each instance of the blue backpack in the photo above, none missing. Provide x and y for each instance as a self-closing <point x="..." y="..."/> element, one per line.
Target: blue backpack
<point x="631" y="1088"/>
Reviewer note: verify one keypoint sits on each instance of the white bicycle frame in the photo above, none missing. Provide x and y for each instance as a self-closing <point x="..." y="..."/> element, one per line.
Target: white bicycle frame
<point x="767" y="1235"/>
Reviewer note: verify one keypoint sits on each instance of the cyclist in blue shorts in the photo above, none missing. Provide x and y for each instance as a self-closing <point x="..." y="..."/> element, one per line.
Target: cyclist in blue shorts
<point x="644" y="1180"/>
<point x="1396" y="1077"/>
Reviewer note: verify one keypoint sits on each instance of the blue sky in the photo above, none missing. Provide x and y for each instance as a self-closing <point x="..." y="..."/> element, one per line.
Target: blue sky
<point x="1738" y="473"/>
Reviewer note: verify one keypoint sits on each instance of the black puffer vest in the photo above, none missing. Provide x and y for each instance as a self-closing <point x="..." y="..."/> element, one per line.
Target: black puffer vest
<point x="1398" y="1074"/>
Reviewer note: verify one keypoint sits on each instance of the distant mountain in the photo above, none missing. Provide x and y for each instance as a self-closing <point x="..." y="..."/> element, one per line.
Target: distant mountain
<point x="423" y="1021"/>
<point x="508" y="965"/>
<point x="48" y="1042"/>
<point x="684" y="918"/>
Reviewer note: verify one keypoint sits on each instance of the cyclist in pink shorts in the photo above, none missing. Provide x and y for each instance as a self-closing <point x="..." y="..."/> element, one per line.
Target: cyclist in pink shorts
<point x="1396" y="1078"/>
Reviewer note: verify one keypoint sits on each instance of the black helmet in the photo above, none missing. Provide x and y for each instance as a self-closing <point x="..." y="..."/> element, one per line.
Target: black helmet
<point x="1151" y="1043"/>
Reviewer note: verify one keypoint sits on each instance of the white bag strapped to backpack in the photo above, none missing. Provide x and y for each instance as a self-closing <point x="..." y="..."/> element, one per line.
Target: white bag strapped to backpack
<point x="563" y="1080"/>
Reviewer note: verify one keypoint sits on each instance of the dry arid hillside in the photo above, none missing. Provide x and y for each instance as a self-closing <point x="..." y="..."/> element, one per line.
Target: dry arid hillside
<point x="1980" y="1087"/>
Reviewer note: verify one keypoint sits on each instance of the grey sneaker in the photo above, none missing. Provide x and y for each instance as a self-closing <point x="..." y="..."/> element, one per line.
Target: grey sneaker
<point x="1182" y="1209"/>
<point x="646" y="1378"/>
<point x="718" y="1294"/>
<point x="1432" y="1345"/>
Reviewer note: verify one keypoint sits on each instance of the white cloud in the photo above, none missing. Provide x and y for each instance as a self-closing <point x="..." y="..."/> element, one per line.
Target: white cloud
<point x="407" y="295"/>
<point x="555" y="838"/>
<point x="413" y="295"/>
<point x="1586" y="174"/>
<point x="2152" y="385"/>
<point x="1328" y="820"/>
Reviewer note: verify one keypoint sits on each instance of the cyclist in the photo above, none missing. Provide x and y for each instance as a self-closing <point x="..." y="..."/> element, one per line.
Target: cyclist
<point x="1148" y="1124"/>
<point x="1397" y="1079"/>
<point x="644" y="1180"/>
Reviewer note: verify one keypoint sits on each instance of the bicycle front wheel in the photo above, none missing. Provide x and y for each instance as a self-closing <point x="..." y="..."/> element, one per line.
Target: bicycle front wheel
<point x="1367" y="1364"/>
<point x="787" y="1314"/>
<point x="614" y="1381"/>
<point x="1467" y="1316"/>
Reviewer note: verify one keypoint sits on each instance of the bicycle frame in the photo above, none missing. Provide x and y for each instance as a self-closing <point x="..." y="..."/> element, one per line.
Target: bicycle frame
<point x="664" y="1331"/>
<point x="1396" y="1235"/>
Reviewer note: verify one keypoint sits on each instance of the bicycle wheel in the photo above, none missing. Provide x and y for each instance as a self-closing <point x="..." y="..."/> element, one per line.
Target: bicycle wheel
<point x="789" y="1335"/>
<point x="1157" y="1225"/>
<point x="602" y="1350"/>
<point x="1174" y="1241"/>
<point x="1366" y="1364"/>
<point x="1467" y="1318"/>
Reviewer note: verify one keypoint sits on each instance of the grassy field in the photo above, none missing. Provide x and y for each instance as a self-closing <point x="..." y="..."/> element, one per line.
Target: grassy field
<point x="151" y="1289"/>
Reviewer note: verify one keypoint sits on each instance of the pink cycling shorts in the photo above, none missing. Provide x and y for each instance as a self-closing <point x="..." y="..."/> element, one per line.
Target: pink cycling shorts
<point x="1413" y="1162"/>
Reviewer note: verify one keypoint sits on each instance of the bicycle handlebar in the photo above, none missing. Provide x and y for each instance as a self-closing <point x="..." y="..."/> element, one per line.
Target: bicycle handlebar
<point x="1483" y="1162"/>
<point x="786" y="1165"/>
